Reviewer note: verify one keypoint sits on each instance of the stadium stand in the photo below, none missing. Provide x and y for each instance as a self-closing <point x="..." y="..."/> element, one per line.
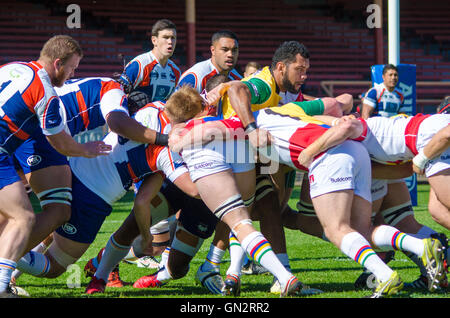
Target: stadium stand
<point x="341" y="45"/>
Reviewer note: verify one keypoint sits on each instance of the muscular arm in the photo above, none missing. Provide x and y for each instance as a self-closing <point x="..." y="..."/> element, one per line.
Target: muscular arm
<point x="346" y="129"/>
<point x="438" y="144"/>
<point x="366" y="111"/>
<point x="128" y="127"/>
<point x="67" y="146"/>
<point x="382" y="171"/>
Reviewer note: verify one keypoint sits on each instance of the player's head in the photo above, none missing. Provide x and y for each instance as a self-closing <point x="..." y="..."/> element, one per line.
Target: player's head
<point x="444" y="106"/>
<point x="61" y="55"/>
<point x="136" y="100"/>
<point x="164" y="38"/>
<point x="290" y="62"/>
<point x="184" y="104"/>
<point x="224" y="50"/>
<point x="251" y="68"/>
<point x="390" y="76"/>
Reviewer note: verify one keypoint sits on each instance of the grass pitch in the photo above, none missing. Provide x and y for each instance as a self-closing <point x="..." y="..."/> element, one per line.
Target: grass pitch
<point x="315" y="262"/>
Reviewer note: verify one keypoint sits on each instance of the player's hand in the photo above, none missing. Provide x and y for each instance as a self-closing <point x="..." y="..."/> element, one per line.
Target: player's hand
<point x="305" y="159"/>
<point x="214" y="95"/>
<point x="259" y="138"/>
<point x="96" y="148"/>
<point x="417" y="170"/>
<point x="175" y="138"/>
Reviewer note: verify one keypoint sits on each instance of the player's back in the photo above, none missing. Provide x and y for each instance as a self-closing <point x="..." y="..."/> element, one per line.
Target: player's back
<point x="129" y="161"/>
<point x="27" y="102"/>
<point x="385" y="140"/>
<point x="86" y="102"/>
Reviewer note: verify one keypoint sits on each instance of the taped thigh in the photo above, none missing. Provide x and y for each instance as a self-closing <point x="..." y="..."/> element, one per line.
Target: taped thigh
<point x="61" y="257"/>
<point x="183" y="247"/>
<point x="232" y="203"/>
<point x="55" y="195"/>
<point x="397" y="213"/>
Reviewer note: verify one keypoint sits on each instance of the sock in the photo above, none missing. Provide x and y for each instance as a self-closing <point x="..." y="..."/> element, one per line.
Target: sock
<point x="34" y="263"/>
<point x="40" y="248"/>
<point x="256" y="245"/>
<point x="213" y="259"/>
<point x="130" y="255"/>
<point x="112" y="255"/>
<point x="386" y="237"/>
<point x="237" y="256"/>
<point x="163" y="275"/>
<point x="164" y="257"/>
<point x="6" y="268"/>
<point x="355" y="246"/>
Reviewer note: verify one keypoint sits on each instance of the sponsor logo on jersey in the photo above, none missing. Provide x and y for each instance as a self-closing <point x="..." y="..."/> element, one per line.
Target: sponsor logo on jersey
<point x="341" y="179"/>
<point x="203" y="165"/>
<point x="69" y="229"/>
<point x="34" y="160"/>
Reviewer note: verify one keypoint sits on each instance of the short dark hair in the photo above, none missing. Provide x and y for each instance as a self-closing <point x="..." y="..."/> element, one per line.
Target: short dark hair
<point x="162" y="24"/>
<point x="287" y="52"/>
<point x="388" y="67"/>
<point x="215" y="81"/>
<point x="223" y="34"/>
<point x="444" y="106"/>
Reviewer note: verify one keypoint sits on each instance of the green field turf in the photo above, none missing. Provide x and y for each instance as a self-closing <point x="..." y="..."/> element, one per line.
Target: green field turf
<point x="315" y="262"/>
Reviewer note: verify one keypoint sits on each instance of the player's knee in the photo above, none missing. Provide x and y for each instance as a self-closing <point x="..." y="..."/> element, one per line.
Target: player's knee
<point x="59" y="261"/>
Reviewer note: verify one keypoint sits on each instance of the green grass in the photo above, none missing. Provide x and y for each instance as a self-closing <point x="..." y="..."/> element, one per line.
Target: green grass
<point x="315" y="262"/>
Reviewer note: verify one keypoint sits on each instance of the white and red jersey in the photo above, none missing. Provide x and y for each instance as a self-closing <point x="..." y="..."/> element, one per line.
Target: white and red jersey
<point x="129" y="161"/>
<point x="200" y="73"/>
<point x="399" y="138"/>
<point x="146" y="74"/>
<point x="27" y="101"/>
<point x="86" y="102"/>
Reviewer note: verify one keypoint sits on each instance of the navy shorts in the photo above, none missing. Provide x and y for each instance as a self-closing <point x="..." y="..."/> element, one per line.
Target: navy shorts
<point x="8" y="173"/>
<point x="195" y="216"/>
<point x="37" y="153"/>
<point x="88" y="214"/>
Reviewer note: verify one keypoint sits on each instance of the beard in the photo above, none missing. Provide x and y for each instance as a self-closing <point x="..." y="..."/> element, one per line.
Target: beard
<point x="288" y="86"/>
<point x="60" y="78"/>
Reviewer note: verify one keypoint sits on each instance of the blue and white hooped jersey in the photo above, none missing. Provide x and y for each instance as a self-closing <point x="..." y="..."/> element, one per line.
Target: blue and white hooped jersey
<point x="86" y="102"/>
<point x="28" y="102"/>
<point x="129" y="161"/>
<point x="384" y="102"/>
<point x="146" y="74"/>
<point x="200" y="73"/>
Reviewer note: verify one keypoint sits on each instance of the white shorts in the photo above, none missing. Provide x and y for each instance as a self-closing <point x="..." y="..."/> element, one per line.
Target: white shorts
<point x="344" y="167"/>
<point x="428" y="128"/>
<point x="218" y="156"/>
<point x="378" y="189"/>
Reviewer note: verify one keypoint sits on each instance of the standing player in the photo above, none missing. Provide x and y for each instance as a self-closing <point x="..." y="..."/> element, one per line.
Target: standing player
<point x="153" y="73"/>
<point x="86" y="105"/>
<point x="224" y="54"/>
<point x="28" y="103"/>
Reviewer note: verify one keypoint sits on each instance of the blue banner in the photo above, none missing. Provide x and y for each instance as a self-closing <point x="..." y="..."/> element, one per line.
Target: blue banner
<point x="407" y="85"/>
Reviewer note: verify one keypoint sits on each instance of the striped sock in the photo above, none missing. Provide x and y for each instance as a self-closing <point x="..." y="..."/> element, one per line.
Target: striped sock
<point x="355" y="246"/>
<point x="112" y="255"/>
<point x="388" y="237"/>
<point x="6" y="268"/>
<point x="260" y="250"/>
<point x="213" y="259"/>
<point x="237" y="256"/>
<point x="164" y="257"/>
<point x="34" y="263"/>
